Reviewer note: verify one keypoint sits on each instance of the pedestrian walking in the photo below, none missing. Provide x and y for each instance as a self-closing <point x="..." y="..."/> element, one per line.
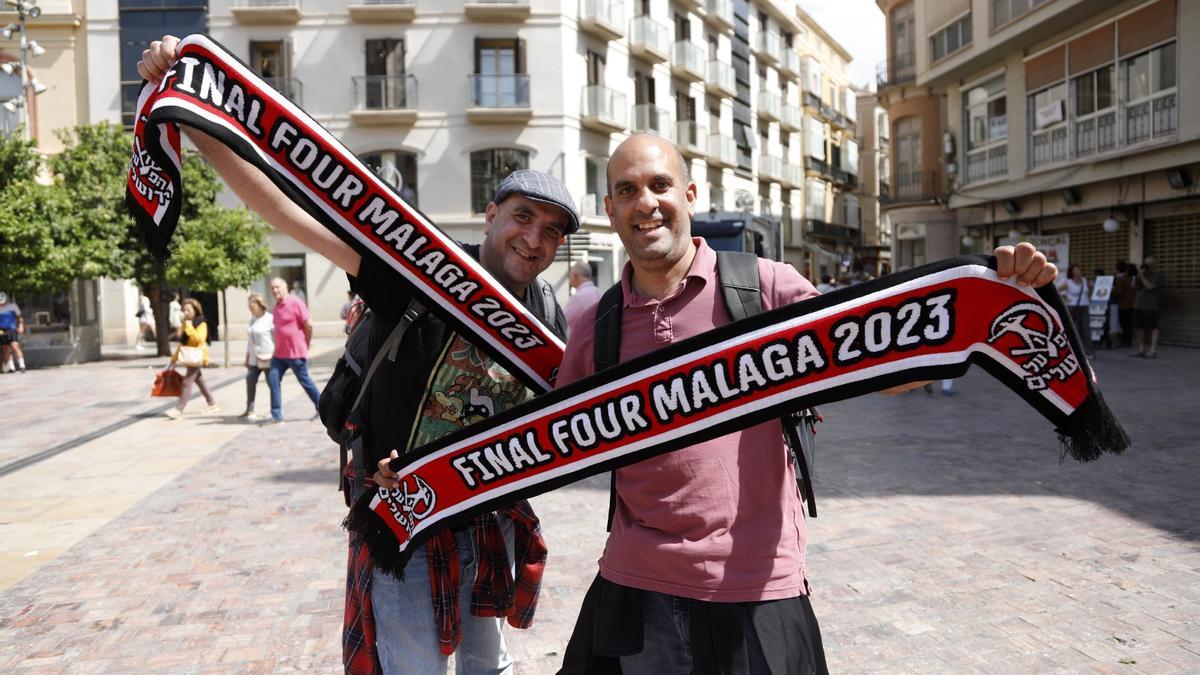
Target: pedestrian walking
<point x="1150" y="282"/>
<point x="145" y="317"/>
<point x="192" y="353"/>
<point x="260" y="347"/>
<point x="1077" y="293"/>
<point x="175" y="317"/>
<point x="584" y="292"/>
<point x="293" y="334"/>
<point x="12" y="326"/>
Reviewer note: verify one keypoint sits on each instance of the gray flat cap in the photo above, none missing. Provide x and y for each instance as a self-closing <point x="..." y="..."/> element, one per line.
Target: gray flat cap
<point x="540" y="187"/>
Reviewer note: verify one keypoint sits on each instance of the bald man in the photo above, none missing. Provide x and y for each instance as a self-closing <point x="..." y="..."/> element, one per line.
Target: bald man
<point x="584" y="292"/>
<point x="707" y="548"/>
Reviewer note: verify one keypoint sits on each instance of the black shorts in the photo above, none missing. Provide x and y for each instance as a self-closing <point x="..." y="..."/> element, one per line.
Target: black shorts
<point x="1145" y="319"/>
<point x="8" y="337"/>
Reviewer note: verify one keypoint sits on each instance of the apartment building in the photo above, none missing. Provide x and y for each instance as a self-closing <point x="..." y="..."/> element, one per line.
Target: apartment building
<point x="874" y="251"/>
<point x="826" y="240"/>
<point x="1066" y="118"/>
<point x="445" y="98"/>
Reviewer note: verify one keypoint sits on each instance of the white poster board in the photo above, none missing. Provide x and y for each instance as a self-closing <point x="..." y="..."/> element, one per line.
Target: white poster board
<point x="1098" y="308"/>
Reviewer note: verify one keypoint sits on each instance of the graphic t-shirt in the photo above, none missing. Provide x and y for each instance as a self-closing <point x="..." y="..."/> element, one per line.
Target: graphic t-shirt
<point x="466" y="387"/>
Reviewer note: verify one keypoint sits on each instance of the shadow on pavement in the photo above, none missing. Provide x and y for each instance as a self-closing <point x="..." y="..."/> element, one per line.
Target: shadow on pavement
<point x="987" y="441"/>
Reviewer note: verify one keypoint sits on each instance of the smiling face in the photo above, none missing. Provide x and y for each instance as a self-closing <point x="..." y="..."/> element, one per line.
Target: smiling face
<point x="651" y="202"/>
<point x="520" y="239"/>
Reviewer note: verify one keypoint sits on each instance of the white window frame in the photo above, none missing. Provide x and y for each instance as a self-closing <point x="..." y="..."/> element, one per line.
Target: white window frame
<point x="963" y="25"/>
<point x="1153" y="96"/>
<point x="993" y="150"/>
<point x="1098" y="114"/>
<point x="1055" y="132"/>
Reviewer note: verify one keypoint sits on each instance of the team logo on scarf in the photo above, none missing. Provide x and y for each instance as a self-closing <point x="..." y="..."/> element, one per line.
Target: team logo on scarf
<point x="928" y="323"/>
<point x="1042" y="348"/>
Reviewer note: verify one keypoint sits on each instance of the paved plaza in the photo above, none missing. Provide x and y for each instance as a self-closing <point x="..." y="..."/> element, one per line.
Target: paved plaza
<point x="950" y="538"/>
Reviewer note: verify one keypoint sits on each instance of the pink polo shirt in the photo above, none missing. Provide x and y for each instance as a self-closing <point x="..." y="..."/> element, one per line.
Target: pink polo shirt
<point x="720" y="520"/>
<point x="290" y="314"/>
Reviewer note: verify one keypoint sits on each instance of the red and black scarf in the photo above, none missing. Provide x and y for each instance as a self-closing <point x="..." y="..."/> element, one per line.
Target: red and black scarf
<point x="928" y="323"/>
<point x="210" y="90"/>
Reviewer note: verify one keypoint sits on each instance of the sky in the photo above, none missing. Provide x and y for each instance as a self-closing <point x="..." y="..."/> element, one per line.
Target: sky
<point x="858" y="26"/>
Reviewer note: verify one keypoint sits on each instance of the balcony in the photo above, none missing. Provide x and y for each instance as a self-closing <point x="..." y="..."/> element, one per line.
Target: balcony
<point x="820" y="228"/>
<point x="918" y="186"/>
<point x="770" y="168"/>
<point x="720" y="81"/>
<point x="1151" y="119"/>
<point x="382" y="11"/>
<point x="722" y="150"/>
<point x="791" y="118"/>
<point x="497" y="10"/>
<point x="987" y="163"/>
<point x="812" y="102"/>
<point x="690" y="5"/>
<point x="266" y="12"/>
<point x="720" y="15"/>
<point x="844" y="178"/>
<point x="902" y="68"/>
<point x="1096" y="134"/>
<point x="766" y="47"/>
<point x="789" y="63"/>
<point x="770" y="105"/>
<point x="1049" y="146"/>
<point x="499" y="99"/>
<point x="603" y="109"/>
<point x="290" y="87"/>
<point x="815" y="166"/>
<point x="651" y="119"/>
<point x="687" y="61"/>
<point x="649" y="40"/>
<point x="691" y="138"/>
<point x="383" y="100"/>
<point x="604" y="19"/>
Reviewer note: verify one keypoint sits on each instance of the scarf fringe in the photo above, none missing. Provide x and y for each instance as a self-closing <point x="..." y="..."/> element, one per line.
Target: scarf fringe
<point x="1091" y="431"/>
<point x="370" y="529"/>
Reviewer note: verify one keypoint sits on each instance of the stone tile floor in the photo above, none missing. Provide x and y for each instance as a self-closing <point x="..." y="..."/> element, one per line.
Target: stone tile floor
<point x="950" y="537"/>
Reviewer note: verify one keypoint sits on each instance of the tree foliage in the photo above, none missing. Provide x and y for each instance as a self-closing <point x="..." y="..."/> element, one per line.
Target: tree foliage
<point x="77" y="226"/>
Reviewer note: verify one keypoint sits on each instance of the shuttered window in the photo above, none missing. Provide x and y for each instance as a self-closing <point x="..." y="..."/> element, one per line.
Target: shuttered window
<point x="1092" y="248"/>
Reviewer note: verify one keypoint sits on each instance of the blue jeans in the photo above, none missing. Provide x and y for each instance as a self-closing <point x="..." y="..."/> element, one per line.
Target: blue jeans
<point x="274" y="381"/>
<point x="406" y="634"/>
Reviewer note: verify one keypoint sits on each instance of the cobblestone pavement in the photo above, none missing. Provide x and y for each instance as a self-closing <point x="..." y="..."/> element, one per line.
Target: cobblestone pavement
<point x="950" y="538"/>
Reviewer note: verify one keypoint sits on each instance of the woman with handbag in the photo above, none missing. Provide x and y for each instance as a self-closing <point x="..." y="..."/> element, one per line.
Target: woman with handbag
<point x="192" y="353"/>
<point x="259" y="347"/>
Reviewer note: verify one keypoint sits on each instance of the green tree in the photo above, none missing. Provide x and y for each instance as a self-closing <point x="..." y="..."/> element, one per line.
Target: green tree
<point x="37" y="251"/>
<point x="217" y="249"/>
<point x="93" y="168"/>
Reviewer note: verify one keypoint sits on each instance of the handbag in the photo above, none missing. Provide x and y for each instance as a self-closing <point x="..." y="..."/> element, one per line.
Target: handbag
<point x="263" y="364"/>
<point x="167" y="383"/>
<point x="191" y="357"/>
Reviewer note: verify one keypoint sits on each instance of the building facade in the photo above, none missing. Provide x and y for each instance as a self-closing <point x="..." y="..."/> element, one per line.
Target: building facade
<point x="1067" y="118"/>
<point x="444" y="99"/>
<point x="874" y="252"/>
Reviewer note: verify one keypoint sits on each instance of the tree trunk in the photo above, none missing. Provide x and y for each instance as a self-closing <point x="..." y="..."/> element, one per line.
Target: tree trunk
<point x="162" y="319"/>
<point x="225" y="326"/>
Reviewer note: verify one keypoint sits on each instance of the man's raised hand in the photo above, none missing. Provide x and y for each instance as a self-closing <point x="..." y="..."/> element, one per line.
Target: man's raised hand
<point x="158" y="59"/>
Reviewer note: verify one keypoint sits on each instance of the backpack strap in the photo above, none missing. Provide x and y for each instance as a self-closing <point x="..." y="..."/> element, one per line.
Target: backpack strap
<point x="389" y="347"/>
<point x="606" y="352"/>
<point x="737" y="272"/>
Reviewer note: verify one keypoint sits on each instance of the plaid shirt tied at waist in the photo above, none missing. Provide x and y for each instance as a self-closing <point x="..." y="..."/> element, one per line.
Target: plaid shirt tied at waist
<point x="496" y="592"/>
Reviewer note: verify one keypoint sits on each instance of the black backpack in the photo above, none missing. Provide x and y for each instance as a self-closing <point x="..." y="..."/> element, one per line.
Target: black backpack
<point x="737" y="276"/>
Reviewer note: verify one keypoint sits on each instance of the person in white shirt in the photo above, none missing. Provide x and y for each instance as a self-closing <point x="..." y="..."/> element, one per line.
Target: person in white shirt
<point x="585" y="293"/>
<point x="259" y="347"/>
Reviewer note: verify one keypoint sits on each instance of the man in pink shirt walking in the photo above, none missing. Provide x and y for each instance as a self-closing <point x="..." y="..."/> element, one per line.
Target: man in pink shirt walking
<point x="704" y="569"/>
<point x="293" y="333"/>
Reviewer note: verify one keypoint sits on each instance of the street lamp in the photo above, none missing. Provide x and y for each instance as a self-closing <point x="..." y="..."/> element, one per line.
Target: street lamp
<point x="29" y="86"/>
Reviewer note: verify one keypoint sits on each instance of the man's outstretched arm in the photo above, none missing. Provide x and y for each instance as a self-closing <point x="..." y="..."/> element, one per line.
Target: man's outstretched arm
<point x="247" y="182"/>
